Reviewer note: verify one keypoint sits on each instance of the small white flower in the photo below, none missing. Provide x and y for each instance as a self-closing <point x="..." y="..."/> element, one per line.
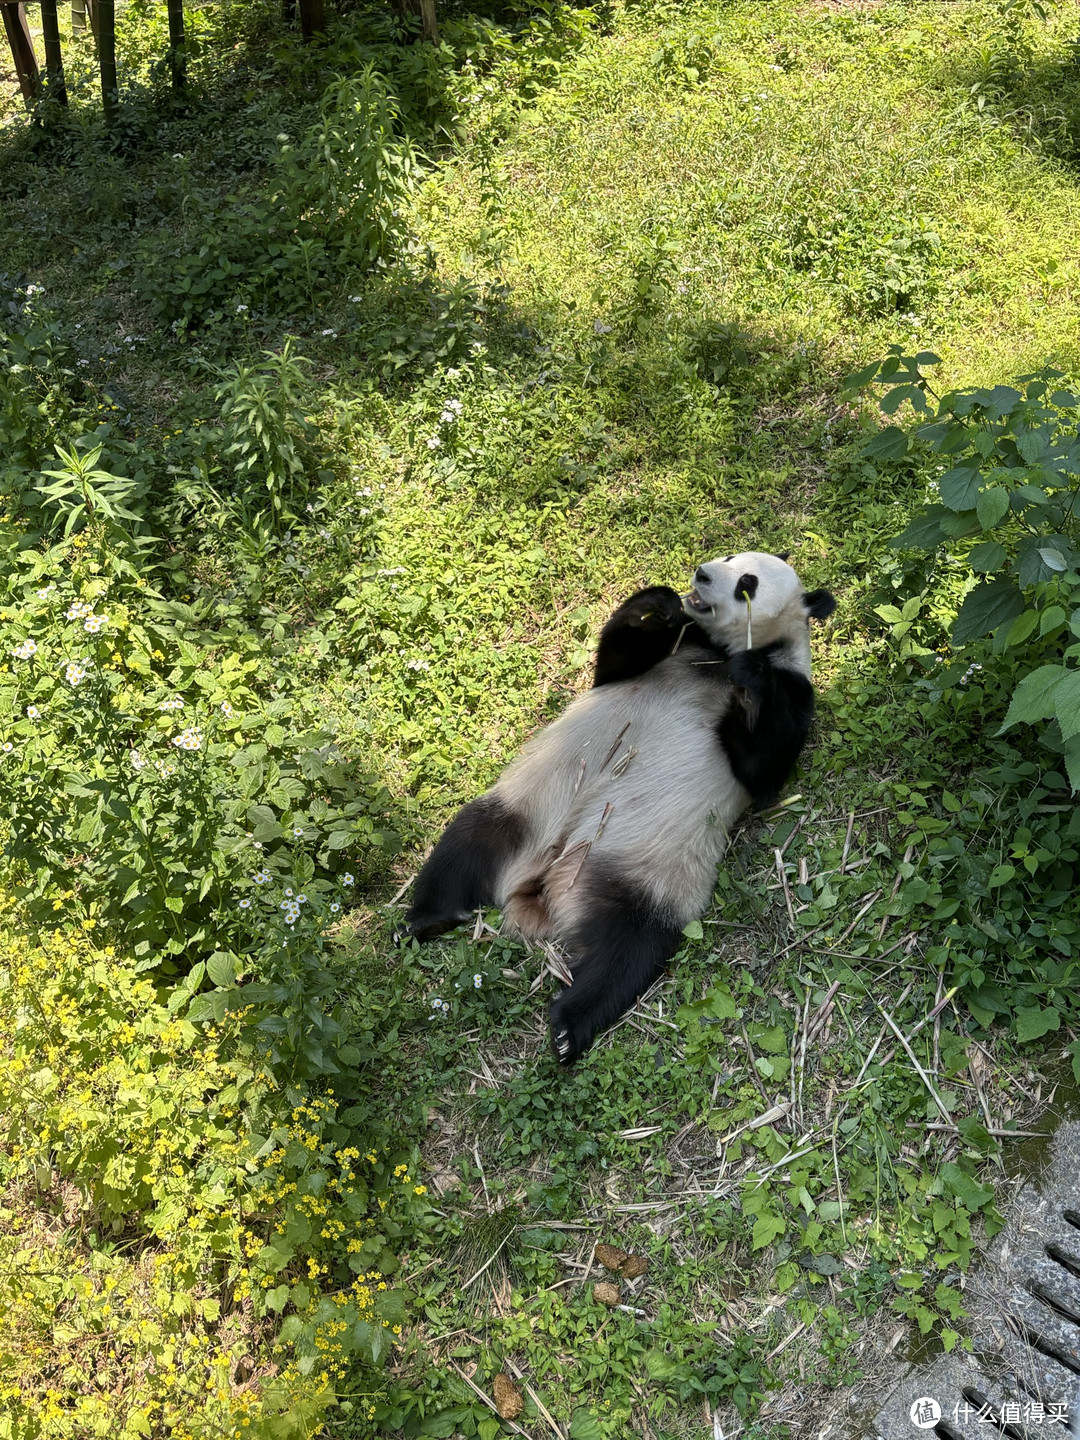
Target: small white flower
<point x="355" y="299"/>
<point x="245" y="904"/>
<point x="33" y="713"/>
<point x="433" y="442"/>
<point x="261" y="877"/>
<point x="7" y="747"/>
<point x="298" y="831"/>
<point x="436" y="1003"/>
<point x="330" y="332"/>
<point x="78" y="609"/>
<point x="446" y="1007"/>
<point x="75" y="672"/>
<point x="240" y="309"/>
<point x="35" y="290"/>
<point x="227" y="710"/>
<point x="137" y="761"/>
<point x="346" y="879"/>
<point x="301" y="899"/>
<point x="45" y="592"/>
<point x="478" y="981"/>
<point x="334" y="907"/>
<point x="93" y="623"/>
<point x="174" y="704"/>
<point x="257" y="844"/>
<point x="25" y="650"/>
<point x="288" y="892"/>
<point x="187" y="740"/>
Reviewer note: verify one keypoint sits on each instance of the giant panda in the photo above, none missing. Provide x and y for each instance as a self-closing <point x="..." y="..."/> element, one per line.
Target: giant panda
<point x="604" y="834"/>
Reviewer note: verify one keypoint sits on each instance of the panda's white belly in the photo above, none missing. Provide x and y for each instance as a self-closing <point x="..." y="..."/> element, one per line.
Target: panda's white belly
<point x="632" y="774"/>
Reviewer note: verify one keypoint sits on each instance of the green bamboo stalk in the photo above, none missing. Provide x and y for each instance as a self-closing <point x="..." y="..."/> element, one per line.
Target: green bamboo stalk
<point x="106" y="46"/>
<point x="312" y="18"/>
<point x="177" y="52"/>
<point x="56" y="87"/>
<point x="22" y="50"/>
<point x="78" y="14"/>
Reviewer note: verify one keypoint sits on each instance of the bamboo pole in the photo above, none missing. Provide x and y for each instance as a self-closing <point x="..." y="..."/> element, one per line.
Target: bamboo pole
<point x="428" y="22"/>
<point x="312" y="18"/>
<point x="56" y="87"/>
<point x="177" y="52"/>
<point x="22" y="50"/>
<point x="78" y="14"/>
<point x="106" y="45"/>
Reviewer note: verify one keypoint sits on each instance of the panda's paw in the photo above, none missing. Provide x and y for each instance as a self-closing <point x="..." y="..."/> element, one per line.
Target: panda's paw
<point x="750" y="669"/>
<point x="658" y="608"/>
<point x="571" y="1033"/>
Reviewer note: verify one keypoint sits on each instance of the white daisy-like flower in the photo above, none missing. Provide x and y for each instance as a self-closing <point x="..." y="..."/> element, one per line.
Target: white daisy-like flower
<point x="245" y="904"/>
<point x="433" y="442"/>
<point x="478" y="981"/>
<point x="78" y="609"/>
<point x="187" y="740"/>
<point x="297" y="831"/>
<point x="75" y="672"/>
<point x="137" y="761"/>
<point x="334" y="907"/>
<point x="45" y="592"/>
<point x="285" y="905"/>
<point x="25" y="650"/>
<point x="346" y="879"/>
<point x="288" y="892"/>
<point x="227" y="710"/>
<point x="301" y="899"/>
<point x="33" y="713"/>
<point x="93" y="623"/>
<point x="436" y="1003"/>
<point x="446" y="1007"/>
<point x="261" y="877"/>
<point x="174" y="704"/>
<point x="7" y="747"/>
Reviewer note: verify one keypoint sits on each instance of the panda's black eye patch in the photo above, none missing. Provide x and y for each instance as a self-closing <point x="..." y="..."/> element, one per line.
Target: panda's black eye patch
<point x="746" y="587"/>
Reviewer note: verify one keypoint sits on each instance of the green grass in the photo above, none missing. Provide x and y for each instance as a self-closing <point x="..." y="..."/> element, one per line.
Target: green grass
<point x="653" y="262"/>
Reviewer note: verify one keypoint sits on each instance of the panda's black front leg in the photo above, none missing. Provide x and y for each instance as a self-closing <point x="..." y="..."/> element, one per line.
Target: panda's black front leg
<point x="763" y="737"/>
<point x="641" y="633"/>
<point x="616" y="952"/>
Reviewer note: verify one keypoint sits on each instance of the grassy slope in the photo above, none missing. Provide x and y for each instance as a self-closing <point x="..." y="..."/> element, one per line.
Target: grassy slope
<point x="586" y="460"/>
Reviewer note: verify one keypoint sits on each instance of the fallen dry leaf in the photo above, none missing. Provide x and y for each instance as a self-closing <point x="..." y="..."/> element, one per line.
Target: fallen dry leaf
<point x="633" y="1266"/>
<point x="508" y="1398"/>
<point x="610" y="1256"/>
<point x="605" y="1293"/>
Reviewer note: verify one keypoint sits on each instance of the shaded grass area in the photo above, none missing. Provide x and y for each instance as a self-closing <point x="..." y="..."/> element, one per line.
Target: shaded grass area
<point x="652" y="261"/>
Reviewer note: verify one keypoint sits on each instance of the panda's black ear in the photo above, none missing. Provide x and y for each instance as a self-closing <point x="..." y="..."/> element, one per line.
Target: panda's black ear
<point x="819" y="603"/>
<point x="784" y="555"/>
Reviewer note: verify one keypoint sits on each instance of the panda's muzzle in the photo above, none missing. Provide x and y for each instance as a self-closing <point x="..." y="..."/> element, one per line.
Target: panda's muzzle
<point x="693" y="601"/>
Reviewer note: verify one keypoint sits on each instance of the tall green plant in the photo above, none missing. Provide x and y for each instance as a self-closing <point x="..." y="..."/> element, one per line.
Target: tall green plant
<point x="1005" y="502"/>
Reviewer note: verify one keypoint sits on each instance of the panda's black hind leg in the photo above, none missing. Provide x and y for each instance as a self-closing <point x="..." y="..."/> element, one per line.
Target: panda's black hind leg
<point x="616" y="954"/>
<point x="463" y="870"/>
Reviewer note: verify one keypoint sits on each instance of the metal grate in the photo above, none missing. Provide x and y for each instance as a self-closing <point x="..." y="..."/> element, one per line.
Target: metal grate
<point x="1022" y="1379"/>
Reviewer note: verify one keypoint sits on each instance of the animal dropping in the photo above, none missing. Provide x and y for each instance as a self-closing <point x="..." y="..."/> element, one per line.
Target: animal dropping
<point x="509" y="1401"/>
<point x="603" y="836"/>
<point x="633" y="1266"/>
<point x="606" y="1293"/>
<point x="610" y="1256"/>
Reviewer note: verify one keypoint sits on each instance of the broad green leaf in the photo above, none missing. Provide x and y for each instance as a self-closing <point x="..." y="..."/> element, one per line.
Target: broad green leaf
<point x="968" y="1191"/>
<point x="585" y="1426"/>
<point x="1034" y="1022"/>
<point x="1001" y="875"/>
<point x="992" y="506"/>
<point x="924" y="532"/>
<point x="1067" y="704"/>
<point x="1022" y="627"/>
<point x="766" y="1229"/>
<point x="989" y="605"/>
<point x="693" y="930"/>
<point x="960" y="488"/>
<point x="891" y="443"/>
<point x="223" y="968"/>
<point x="988" y="556"/>
<point x="1071" y="757"/>
<point x="1035" y="697"/>
<point x="1053" y="558"/>
<point x="1052" y="619"/>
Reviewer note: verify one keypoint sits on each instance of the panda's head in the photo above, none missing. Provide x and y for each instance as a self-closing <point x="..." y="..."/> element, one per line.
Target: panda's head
<point x="779" y="607"/>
